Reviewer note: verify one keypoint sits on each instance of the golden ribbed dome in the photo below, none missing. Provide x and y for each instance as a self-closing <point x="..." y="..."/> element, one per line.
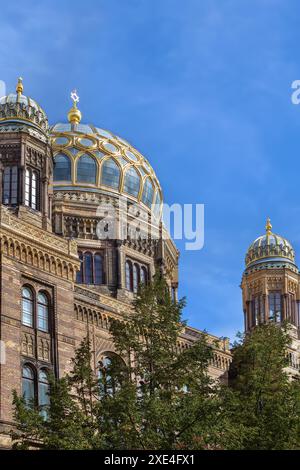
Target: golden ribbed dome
<point x="19" y="109"/>
<point x="269" y="248"/>
<point x="90" y="159"/>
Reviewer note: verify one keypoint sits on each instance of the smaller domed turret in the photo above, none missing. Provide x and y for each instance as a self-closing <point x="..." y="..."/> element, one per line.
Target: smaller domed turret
<point x="269" y="250"/>
<point x="20" y="109"/>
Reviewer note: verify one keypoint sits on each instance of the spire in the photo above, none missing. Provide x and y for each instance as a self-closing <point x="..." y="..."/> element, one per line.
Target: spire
<point x="19" y="87"/>
<point x="74" y="115"/>
<point x="268" y="226"/>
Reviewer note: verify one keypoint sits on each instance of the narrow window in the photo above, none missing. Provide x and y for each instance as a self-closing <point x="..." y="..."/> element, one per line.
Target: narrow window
<point x="88" y="268"/>
<point x="62" y="168"/>
<point x="27" y="307"/>
<point x="144" y="275"/>
<point x="98" y="269"/>
<point x="31" y="189"/>
<point x="128" y="275"/>
<point x="27" y="187"/>
<point x="132" y="182"/>
<point x="136" y="272"/>
<point x="110" y="174"/>
<point x="43" y="312"/>
<point x="10" y="185"/>
<point x="275" y="306"/>
<point x="43" y="393"/>
<point x="86" y="170"/>
<point x="28" y="385"/>
<point x="148" y="192"/>
<point x="79" y="275"/>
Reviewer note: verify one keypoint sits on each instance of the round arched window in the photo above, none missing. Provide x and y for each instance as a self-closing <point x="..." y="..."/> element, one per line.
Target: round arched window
<point x="132" y="182"/>
<point x="86" y="170"/>
<point x="43" y="312"/>
<point x="28" y="385"/>
<point x="148" y="191"/>
<point x="43" y="392"/>
<point x="27" y="307"/>
<point x="62" y="168"/>
<point x="110" y="175"/>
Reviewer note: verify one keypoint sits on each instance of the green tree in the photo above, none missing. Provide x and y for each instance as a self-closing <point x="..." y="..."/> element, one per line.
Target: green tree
<point x="262" y="403"/>
<point x="70" y="417"/>
<point x="165" y="398"/>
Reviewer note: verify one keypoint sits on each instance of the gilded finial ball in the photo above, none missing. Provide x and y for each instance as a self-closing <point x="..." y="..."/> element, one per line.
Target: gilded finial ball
<point x="74" y="115"/>
<point x="268" y="225"/>
<point x="19" y="87"/>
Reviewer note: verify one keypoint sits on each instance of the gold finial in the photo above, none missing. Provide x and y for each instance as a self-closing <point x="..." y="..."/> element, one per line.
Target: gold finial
<point x="19" y="87"/>
<point x="74" y="114"/>
<point x="268" y="226"/>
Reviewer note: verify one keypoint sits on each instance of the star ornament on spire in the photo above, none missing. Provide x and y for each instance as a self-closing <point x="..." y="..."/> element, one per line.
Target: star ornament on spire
<point x="74" y="114"/>
<point x="74" y="97"/>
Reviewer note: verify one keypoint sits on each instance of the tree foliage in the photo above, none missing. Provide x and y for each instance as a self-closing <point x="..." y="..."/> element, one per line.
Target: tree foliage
<point x="262" y="401"/>
<point x="154" y="393"/>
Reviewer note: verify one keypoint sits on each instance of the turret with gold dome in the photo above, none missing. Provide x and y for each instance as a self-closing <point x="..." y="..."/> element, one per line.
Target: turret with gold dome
<point x="271" y="289"/>
<point x="270" y="283"/>
<point x="19" y="110"/>
<point x="270" y="251"/>
<point x="26" y="158"/>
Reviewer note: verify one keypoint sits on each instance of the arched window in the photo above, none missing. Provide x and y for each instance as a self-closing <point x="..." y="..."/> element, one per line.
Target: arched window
<point x="43" y="312"/>
<point x="62" y="168"/>
<point x="132" y="182"/>
<point x="28" y="389"/>
<point x="88" y="268"/>
<point x="91" y="269"/>
<point x="136" y="275"/>
<point x="86" y="170"/>
<point x="148" y="191"/>
<point x="43" y="393"/>
<point x="144" y="275"/>
<point x="110" y="374"/>
<point x="110" y="175"/>
<point x="104" y="376"/>
<point x="128" y="275"/>
<point x="79" y="274"/>
<point x="98" y="269"/>
<point x="275" y="306"/>
<point x="31" y="189"/>
<point x="27" y="307"/>
<point x="10" y="185"/>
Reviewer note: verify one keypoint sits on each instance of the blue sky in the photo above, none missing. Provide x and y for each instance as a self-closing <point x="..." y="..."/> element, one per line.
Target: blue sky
<point x="203" y="89"/>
